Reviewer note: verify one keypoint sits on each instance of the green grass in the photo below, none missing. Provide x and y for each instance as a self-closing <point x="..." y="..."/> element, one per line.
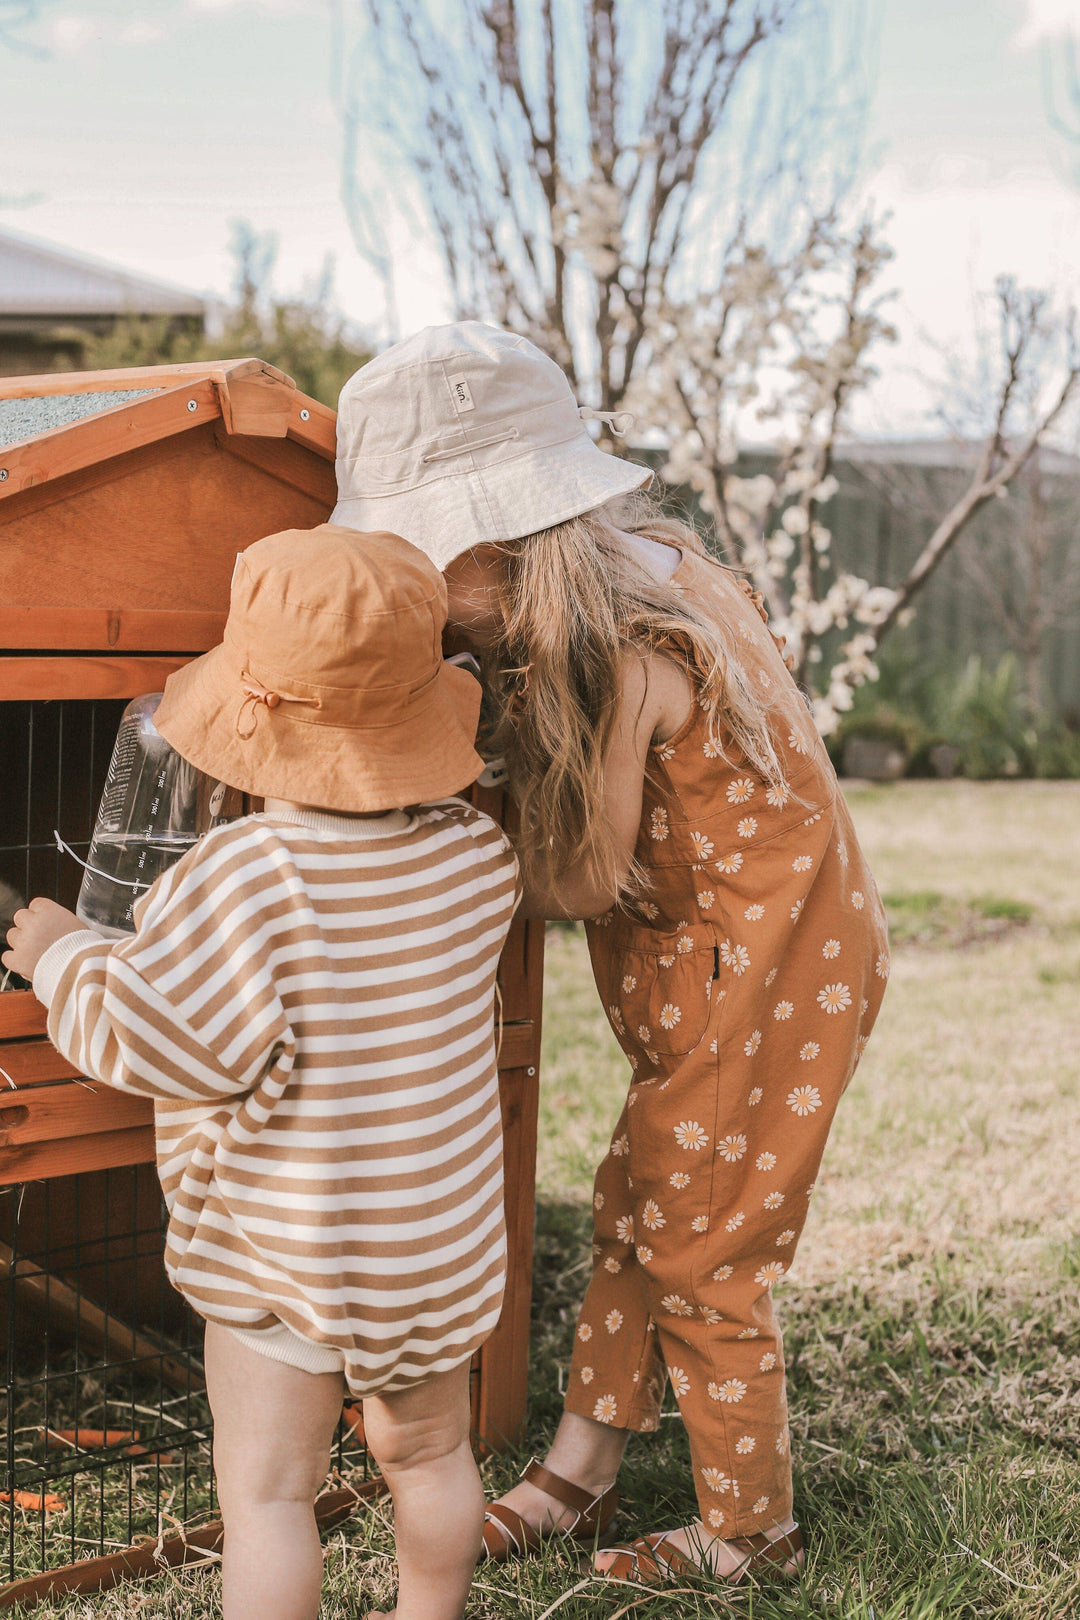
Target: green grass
<point x="932" y="1323"/>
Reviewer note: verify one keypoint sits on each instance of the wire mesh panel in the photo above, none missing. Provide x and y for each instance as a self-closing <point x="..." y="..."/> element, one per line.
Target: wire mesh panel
<point x="53" y="762"/>
<point x="107" y="1429"/>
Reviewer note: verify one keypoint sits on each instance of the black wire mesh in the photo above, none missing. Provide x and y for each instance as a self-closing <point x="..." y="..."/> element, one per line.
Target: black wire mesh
<point x="107" y="1432"/>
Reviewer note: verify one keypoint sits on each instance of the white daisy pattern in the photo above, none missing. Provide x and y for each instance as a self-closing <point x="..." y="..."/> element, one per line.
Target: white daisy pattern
<point x="740" y="790"/>
<point x="804" y="1100"/>
<point x="691" y="1136"/>
<point x="730" y="864"/>
<point x="834" y="998"/>
<point x="732" y="1148"/>
<point x="730" y="1391"/>
<point x="736" y="957"/>
<point x="752" y="1042"/>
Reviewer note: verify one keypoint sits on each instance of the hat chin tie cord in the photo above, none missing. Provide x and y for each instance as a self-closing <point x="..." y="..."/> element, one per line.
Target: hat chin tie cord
<point x="620" y="422"/>
<point x="256" y="694"/>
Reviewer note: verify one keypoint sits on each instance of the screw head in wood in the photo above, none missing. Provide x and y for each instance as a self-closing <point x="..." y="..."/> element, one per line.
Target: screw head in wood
<point x="305" y="416"/>
<point x="530" y="1072"/>
<point x="3" y="475"/>
<point x="192" y="404"/>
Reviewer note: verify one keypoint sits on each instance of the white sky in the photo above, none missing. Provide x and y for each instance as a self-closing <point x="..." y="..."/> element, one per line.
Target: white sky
<point x="146" y="128"/>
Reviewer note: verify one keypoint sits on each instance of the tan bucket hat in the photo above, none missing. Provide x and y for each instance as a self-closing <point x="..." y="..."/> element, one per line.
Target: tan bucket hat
<point x="465" y="434"/>
<point x="330" y="686"/>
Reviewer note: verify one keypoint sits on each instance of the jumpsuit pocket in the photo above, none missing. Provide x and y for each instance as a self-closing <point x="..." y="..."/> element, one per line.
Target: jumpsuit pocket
<point x="664" y="986"/>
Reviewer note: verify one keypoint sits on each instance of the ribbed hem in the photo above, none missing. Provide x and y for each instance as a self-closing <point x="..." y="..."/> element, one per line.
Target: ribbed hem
<point x="53" y="961"/>
<point x="395" y="821"/>
<point x="281" y="1343"/>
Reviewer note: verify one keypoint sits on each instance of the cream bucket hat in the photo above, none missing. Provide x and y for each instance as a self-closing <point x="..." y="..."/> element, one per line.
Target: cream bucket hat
<point x="465" y="434"/>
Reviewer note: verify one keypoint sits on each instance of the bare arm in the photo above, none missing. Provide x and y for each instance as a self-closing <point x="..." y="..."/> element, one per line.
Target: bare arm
<point x="654" y="699"/>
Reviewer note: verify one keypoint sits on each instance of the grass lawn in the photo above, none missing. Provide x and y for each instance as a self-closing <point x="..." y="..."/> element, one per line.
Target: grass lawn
<point x="932" y="1322"/>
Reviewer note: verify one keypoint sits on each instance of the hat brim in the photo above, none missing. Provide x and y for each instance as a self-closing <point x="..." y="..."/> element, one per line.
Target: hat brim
<point x="427" y="753"/>
<point x="478" y="500"/>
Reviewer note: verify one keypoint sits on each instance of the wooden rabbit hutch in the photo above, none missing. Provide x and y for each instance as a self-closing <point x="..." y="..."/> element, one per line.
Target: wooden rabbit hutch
<point x="124" y="497"/>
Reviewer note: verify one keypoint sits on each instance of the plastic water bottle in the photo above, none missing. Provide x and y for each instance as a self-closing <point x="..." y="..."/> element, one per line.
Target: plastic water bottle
<point x="154" y="808"/>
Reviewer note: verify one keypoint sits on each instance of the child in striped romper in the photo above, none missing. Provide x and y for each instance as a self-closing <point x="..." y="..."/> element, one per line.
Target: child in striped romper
<point x="308" y="1000"/>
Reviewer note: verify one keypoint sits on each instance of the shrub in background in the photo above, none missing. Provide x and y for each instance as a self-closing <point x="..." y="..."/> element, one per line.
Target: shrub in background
<point x="304" y="336"/>
<point x="981" y="710"/>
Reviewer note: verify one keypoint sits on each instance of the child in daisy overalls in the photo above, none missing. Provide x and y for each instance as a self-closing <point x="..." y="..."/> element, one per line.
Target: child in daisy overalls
<point x="673" y="792"/>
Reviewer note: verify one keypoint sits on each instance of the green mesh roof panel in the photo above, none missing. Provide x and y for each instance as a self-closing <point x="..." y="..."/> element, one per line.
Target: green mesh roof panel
<point x="23" y="418"/>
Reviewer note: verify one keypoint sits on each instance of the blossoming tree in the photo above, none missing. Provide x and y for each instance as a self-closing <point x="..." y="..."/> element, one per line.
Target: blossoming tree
<point x="601" y="175"/>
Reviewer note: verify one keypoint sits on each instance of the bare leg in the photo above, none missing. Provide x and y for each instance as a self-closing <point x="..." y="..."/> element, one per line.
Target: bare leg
<point x="273" y="1427"/>
<point x="420" y="1440"/>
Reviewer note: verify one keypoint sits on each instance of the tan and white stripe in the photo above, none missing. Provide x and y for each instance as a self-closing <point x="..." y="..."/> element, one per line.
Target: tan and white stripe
<point x="308" y="999"/>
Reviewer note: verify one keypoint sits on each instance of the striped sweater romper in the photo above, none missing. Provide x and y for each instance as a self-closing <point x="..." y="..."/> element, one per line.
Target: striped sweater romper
<point x="742" y="987"/>
<point x="308" y="1000"/>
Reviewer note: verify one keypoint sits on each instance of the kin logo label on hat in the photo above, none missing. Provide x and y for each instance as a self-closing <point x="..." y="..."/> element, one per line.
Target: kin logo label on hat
<point x="459" y="392"/>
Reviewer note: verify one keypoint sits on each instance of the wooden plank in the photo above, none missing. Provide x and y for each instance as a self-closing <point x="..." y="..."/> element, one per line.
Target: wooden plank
<point x="164" y="553"/>
<point x="255" y="403"/>
<point x="124" y="629"/>
<point x="195" y="1546"/>
<point x="49" y="1113"/>
<point x="504" y="1359"/>
<point x="314" y="426"/>
<point x="21" y="1013"/>
<point x="24" y="679"/>
<point x="105" y="1150"/>
<point x="68" y="449"/>
<point x="45" y="385"/>
<point x="286" y="462"/>
<point x="519" y="1044"/>
<point x="29" y="1063"/>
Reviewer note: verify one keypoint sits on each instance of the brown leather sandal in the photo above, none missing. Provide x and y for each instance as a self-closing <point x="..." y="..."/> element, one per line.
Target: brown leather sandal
<point x="654" y="1559"/>
<point x="508" y="1535"/>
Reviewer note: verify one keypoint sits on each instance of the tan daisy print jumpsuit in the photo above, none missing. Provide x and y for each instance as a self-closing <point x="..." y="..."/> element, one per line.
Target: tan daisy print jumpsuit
<point x="742" y="989"/>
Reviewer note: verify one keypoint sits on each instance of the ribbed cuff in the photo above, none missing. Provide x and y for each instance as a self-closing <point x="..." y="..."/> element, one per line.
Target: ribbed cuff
<point x="53" y="961"/>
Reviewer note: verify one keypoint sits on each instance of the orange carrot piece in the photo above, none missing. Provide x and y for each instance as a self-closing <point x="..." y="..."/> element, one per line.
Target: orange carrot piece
<point x="31" y="1500"/>
<point x="89" y="1439"/>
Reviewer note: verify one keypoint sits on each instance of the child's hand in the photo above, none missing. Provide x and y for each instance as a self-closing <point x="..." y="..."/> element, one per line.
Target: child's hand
<point x="33" y="930"/>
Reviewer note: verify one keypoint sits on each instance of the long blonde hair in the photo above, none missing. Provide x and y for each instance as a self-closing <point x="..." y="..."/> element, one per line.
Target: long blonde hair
<point x="575" y="601"/>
